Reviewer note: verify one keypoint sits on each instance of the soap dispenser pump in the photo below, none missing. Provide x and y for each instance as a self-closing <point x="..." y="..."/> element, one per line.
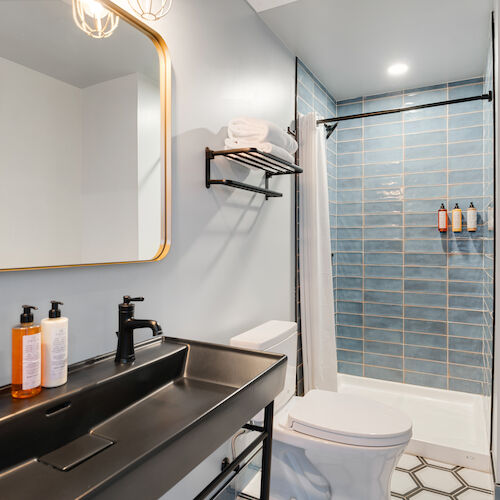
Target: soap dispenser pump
<point x="54" y="347"/>
<point x="26" y="356"/>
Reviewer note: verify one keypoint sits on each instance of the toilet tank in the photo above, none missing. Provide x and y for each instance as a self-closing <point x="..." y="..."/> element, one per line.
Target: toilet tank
<point x="277" y="337"/>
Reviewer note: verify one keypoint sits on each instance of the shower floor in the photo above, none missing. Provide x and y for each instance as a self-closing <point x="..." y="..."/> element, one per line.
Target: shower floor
<point x="448" y="426"/>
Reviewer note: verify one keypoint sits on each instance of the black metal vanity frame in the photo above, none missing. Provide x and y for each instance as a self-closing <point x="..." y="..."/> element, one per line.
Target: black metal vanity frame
<point x="231" y="470"/>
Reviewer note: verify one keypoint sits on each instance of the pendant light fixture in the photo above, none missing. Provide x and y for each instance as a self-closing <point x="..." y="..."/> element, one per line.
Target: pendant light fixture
<point x="94" y="19"/>
<point x="151" y="10"/>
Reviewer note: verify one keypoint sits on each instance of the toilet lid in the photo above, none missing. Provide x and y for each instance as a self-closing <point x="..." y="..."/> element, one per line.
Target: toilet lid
<point x="349" y="419"/>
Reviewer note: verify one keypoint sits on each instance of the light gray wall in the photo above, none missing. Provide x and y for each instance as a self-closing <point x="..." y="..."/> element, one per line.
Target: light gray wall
<point x="149" y="167"/>
<point x="40" y="140"/>
<point x="231" y="262"/>
<point x="110" y="170"/>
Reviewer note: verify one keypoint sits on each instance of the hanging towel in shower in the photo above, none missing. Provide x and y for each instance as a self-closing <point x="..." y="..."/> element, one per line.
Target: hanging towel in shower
<point x="252" y="130"/>
<point x="266" y="147"/>
<point x="316" y="284"/>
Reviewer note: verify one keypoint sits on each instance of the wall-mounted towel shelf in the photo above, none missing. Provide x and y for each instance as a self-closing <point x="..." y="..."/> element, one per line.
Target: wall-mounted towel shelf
<point x="250" y="157"/>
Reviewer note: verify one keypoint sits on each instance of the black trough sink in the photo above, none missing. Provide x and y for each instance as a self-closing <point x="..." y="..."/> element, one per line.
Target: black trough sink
<point x="132" y="431"/>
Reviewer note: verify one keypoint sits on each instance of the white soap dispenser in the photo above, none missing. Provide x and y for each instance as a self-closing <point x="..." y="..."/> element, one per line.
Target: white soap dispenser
<point x="471" y="218"/>
<point x="54" y="348"/>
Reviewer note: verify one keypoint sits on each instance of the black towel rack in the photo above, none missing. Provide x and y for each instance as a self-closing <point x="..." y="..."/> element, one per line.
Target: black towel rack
<point x="250" y="157"/>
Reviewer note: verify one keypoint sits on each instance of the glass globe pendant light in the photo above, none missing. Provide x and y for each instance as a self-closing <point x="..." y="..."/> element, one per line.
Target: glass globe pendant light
<point x="151" y="10"/>
<point x="94" y="19"/>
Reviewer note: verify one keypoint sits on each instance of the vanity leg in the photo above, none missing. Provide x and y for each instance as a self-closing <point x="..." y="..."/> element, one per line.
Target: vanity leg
<point x="267" y="452"/>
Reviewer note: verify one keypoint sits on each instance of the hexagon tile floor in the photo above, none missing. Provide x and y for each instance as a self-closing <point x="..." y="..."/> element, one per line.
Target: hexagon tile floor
<point x="417" y="478"/>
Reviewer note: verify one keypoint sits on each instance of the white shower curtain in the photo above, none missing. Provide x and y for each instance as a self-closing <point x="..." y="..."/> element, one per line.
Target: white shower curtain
<point x="316" y="287"/>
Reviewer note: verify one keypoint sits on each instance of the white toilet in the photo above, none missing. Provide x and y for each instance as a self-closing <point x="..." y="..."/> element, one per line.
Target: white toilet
<point x="327" y="445"/>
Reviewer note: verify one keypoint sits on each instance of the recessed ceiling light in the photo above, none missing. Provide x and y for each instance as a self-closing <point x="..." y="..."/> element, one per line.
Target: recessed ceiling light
<point x="397" y="69"/>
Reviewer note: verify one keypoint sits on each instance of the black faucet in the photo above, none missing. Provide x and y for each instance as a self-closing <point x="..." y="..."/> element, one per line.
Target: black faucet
<point x="126" y="326"/>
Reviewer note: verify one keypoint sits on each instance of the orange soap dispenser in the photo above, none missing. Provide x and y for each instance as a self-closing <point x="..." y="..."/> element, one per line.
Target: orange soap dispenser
<point x="26" y="357"/>
<point x="456" y="219"/>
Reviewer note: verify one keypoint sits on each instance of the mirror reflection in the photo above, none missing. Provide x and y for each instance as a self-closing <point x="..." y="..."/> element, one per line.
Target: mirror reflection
<point x="81" y="165"/>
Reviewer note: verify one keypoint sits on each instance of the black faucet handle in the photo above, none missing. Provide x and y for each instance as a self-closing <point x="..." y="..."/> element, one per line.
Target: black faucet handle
<point x="127" y="299"/>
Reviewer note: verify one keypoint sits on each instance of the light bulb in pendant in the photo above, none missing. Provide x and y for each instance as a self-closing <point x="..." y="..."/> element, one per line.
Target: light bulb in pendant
<point x="94" y="19"/>
<point x="94" y="9"/>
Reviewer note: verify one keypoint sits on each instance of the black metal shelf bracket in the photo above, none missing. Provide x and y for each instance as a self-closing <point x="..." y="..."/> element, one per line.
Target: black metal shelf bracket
<point x="254" y="158"/>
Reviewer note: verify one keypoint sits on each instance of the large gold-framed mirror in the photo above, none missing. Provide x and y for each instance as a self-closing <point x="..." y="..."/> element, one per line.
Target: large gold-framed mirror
<point x="84" y="136"/>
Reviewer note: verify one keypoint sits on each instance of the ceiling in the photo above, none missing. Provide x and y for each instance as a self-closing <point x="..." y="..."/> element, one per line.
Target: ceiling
<point x="349" y="44"/>
<point x="42" y="35"/>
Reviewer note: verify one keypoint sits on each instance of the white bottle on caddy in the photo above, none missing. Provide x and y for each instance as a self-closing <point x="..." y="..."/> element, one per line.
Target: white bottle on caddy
<point x="54" y="348"/>
<point x="471" y="218"/>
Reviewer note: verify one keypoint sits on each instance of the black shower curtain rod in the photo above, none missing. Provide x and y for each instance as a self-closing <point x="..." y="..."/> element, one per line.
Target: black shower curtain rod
<point x="488" y="96"/>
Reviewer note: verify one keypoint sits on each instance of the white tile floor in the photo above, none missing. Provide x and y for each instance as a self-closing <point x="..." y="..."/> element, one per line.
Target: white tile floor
<point x="417" y="478"/>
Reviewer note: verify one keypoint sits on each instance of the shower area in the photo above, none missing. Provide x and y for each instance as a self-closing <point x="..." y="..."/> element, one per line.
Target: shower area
<point x="413" y="305"/>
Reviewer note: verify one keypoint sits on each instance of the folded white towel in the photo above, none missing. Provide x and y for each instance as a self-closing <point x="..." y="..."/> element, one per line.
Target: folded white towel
<point x="265" y="147"/>
<point x="253" y="130"/>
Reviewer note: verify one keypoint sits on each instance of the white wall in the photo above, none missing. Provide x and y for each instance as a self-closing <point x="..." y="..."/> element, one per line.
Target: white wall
<point x="122" y="170"/>
<point x="231" y="262"/>
<point x="109" y="187"/>
<point x="149" y="168"/>
<point x="92" y="157"/>
<point x="40" y="140"/>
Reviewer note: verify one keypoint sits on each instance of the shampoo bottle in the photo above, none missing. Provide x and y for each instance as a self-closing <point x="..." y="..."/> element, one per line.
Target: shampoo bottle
<point x="54" y="348"/>
<point x="471" y="218"/>
<point x="456" y="219"/>
<point x="442" y="219"/>
<point x="26" y="357"/>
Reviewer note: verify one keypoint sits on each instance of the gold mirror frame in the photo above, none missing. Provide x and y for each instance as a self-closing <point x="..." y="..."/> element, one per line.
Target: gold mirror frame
<point x="166" y="124"/>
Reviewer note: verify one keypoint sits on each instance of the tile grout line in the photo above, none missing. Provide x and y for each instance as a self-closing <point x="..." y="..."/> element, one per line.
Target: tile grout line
<point x="419" y="480"/>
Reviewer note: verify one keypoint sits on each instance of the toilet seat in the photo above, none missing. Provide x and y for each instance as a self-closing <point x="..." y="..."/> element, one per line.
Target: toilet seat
<point x="349" y="419"/>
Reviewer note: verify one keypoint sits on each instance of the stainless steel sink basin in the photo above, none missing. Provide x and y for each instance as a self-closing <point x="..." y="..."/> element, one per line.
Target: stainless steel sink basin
<point x="132" y="431"/>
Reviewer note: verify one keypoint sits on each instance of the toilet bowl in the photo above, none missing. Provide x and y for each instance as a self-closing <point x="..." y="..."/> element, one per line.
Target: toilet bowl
<point x="336" y="446"/>
<point x="327" y="445"/>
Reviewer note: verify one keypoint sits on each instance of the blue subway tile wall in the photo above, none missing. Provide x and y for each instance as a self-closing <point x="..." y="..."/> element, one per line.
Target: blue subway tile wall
<point x="412" y="305"/>
<point x="312" y="96"/>
<point x="488" y="241"/>
<point x="417" y="304"/>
